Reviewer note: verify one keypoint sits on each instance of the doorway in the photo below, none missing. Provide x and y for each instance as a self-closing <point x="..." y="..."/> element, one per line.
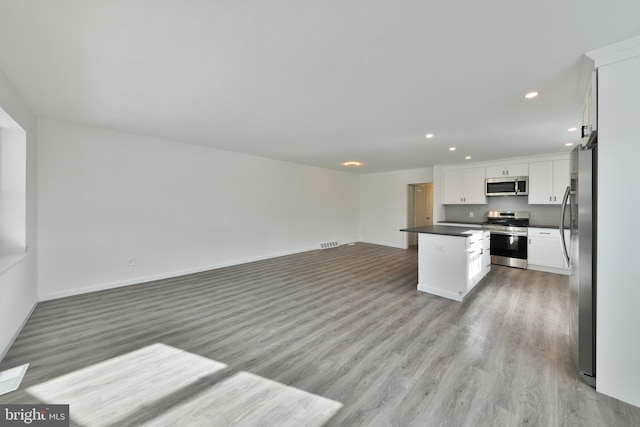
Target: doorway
<point x="419" y="208"/>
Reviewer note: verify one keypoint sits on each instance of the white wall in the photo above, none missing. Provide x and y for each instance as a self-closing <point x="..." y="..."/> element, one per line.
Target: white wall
<point x="439" y="213"/>
<point x="618" y="293"/>
<point x="106" y="197"/>
<point x="13" y="206"/>
<point x="383" y="205"/>
<point x="18" y="289"/>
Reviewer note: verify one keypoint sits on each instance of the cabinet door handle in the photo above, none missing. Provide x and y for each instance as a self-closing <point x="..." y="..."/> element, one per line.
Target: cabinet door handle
<point x="550" y="199"/>
<point x="543" y="232"/>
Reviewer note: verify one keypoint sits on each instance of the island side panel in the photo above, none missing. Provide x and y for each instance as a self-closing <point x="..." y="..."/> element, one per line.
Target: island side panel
<point x="442" y="265"/>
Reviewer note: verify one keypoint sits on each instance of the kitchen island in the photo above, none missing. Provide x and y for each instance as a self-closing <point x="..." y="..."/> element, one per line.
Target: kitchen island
<point x="451" y="260"/>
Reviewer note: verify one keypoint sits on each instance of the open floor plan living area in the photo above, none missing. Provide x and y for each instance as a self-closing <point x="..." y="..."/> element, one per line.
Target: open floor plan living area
<point x="286" y="213"/>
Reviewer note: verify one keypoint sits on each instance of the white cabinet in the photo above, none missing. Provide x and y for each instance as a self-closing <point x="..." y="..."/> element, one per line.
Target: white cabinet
<point x="545" y="250"/>
<point x="486" y="252"/>
<point x="561" y="179"/>
<point x="548" y="181"/>
<point x="519" y="169"/>
<point x="478" y="257"/>
<point x="463" y="186"/>
<point x="452" y="187"/>
<point x="474" y="249"/>
<point x="451" y="265"/>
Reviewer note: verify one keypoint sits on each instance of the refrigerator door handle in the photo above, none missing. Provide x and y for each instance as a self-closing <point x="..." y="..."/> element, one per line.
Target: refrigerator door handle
<point x="565" y="200"/>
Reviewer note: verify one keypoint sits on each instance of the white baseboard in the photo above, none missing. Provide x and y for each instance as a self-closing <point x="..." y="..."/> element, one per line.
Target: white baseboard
<point x="168" y="275"/>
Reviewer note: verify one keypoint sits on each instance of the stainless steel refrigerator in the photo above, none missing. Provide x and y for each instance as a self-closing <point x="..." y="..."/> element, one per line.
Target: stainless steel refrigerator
<point x="580" y="252"/>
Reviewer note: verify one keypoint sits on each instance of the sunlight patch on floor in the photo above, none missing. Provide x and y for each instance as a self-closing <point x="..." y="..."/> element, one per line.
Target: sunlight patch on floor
<point x="250" y="400"/>
<point x="112" y="390"/>
<point x="155" y="386"/>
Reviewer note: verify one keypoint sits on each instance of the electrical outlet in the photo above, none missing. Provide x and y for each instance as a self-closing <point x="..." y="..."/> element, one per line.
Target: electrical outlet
<point x="470" y="214"/>
<point x="132" y="262"/>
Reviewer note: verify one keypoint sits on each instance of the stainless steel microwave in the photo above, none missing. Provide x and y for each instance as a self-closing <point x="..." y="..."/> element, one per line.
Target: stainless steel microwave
<point x="507" y="186"/>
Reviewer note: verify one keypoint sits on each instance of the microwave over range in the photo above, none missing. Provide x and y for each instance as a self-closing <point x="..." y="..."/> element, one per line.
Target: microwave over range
<point x="507" y="186"/>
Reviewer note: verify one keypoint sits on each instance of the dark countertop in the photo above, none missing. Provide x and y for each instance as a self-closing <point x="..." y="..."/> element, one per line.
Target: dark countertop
<point x="444" y="230"/>
<point x="556" y="226"/>
<point x="463" y="222"/>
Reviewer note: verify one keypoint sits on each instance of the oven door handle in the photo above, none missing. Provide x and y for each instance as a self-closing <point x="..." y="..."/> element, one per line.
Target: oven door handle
<point x="509" y="233"/>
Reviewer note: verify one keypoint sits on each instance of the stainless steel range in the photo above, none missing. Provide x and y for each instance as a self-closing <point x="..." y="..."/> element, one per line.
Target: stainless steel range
<point x="508" y="237"/>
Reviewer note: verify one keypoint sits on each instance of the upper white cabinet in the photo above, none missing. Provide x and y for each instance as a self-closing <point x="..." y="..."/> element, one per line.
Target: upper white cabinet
<point x="548" y="181"/>
<point x="463" y="186"/>
<point x="519" y="169"/>
<point x="561" y="179"/>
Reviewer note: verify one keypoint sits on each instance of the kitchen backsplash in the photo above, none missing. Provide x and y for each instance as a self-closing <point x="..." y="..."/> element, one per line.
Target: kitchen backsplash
<point x="539" y="214"/>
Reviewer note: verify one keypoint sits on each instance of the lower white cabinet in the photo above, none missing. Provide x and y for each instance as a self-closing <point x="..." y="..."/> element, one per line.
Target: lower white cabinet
<point x="545" y="250"/>
<point x="478" y="252"/>
<point x="486" y="252"/>
<point x="450" y="266"/>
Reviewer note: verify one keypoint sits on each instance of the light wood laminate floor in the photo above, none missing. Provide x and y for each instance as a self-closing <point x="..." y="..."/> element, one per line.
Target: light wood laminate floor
<point x="338" y="337"/>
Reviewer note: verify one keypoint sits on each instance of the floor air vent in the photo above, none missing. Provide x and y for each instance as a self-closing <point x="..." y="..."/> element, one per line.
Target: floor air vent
<point x="328" y="245"/>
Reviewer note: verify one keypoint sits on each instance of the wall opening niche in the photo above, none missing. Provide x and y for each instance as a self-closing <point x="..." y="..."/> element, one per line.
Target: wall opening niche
<point x="13" y="190"/>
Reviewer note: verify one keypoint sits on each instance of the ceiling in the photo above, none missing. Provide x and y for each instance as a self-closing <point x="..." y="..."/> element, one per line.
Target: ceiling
<point x="321" y="82"/>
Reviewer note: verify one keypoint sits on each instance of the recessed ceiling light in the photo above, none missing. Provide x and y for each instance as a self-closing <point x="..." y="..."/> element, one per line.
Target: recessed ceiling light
<point x="352" y="164"/>
<point x="468" y="158"/>
<point x="452" y="148"/>
<point x="429" y="135"/>
<point x="572" y="129"/>
<point x="531" y="95"/>
<point x="569" y="144"/>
